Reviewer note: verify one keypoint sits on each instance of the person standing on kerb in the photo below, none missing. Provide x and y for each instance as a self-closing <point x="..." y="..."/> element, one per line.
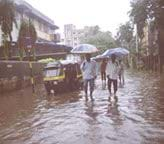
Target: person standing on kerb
<point x="89" y="71"/>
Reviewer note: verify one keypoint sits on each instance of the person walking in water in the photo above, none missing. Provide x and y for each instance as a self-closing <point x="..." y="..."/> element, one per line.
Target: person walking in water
<point x="112" y="75"/>
<point x="89" y="71"/>
<point x="121" y="72"/>
<point x="103" y="71"/>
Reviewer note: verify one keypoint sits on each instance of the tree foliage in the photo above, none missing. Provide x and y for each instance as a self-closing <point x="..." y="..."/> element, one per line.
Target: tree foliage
<point x="124" y="37"/>
<point x="102" y="40"/>
<point x="7" y="20"/>
<point x="150" y="11"/>
<point x="144" y="11"/>
<point x="27" y="29"/>
<point x="139" y="15"/>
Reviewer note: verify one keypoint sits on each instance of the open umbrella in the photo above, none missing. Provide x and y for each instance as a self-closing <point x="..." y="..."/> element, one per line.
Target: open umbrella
<point x="99" y="57"/>
<point x="119" y="52"/>
<point x="84" y="49"/>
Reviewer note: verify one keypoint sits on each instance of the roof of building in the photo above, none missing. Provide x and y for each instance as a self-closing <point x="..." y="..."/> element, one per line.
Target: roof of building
<point x="23" y="5"/>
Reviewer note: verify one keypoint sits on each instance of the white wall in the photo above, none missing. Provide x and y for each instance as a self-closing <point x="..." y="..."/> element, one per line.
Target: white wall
<point x="40" y="32"/>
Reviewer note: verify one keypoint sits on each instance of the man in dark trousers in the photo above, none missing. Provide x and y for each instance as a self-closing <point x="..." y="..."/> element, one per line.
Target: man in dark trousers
<point x="89" y="71"/>
<point x="112" y="74"/>
<point x="103" y="71"/>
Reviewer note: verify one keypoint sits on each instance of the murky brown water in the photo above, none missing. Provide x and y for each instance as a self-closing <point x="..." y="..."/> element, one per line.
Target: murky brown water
<point x="137" y="118"/>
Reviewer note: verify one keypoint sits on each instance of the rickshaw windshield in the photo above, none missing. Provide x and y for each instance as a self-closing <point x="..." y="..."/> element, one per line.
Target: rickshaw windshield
<point x="56" y="71"/>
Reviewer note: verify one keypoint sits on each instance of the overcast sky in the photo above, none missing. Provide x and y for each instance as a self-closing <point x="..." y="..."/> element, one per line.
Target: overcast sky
<point x="108" y="14"/>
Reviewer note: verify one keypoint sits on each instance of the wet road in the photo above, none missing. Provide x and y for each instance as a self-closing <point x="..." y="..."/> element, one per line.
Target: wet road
<point x="137" y="117"/>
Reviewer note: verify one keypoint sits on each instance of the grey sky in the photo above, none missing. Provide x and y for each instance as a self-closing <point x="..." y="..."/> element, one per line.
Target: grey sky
<point x="108" y="14"/>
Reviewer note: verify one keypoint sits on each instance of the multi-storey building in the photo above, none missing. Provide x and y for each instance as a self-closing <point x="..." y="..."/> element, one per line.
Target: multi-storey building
<point x="47" y="38"/>
<point x="71" y="35"/>
<point x="44" y="26"/>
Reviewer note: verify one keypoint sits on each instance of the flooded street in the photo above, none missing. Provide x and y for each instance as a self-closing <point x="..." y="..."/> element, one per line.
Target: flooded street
<point x="137" y="117"/>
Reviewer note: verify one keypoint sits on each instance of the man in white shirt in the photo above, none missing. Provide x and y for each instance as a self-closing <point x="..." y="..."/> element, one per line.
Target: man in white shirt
<point x="89" y="71"/>
<point x="112" y="74"/>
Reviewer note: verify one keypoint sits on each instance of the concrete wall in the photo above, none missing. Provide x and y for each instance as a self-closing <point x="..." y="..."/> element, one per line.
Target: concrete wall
<point x="15" y="75"/>
<point x="39" y="50"/>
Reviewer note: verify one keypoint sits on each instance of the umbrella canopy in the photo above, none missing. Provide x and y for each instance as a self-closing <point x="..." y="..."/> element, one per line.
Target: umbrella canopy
<point x="119" y="52"/>
<point x="84" y="49"/>
<point x="99" y="57"/>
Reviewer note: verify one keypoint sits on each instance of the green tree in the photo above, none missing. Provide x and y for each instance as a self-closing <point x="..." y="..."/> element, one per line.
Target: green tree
<point x="33" y="36"/>
<point x="124" y="37"/>
<point x="102" y="40"/>
<point x="145" y="11"/>
<point x="7" y="20"/>
<point x="27" y="29"/>
<point x="139" y="15"/>
<point x="21" y="38"/>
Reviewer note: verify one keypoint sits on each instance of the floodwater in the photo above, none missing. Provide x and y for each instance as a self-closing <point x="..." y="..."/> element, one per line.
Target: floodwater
<point x="137" y="117"/>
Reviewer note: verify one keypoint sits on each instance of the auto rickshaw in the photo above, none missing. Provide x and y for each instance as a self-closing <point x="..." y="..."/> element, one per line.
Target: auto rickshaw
<point x="63" y="75"/>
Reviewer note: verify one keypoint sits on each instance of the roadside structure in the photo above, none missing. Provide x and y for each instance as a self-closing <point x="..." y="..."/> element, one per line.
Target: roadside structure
<point x="47" y="38"/>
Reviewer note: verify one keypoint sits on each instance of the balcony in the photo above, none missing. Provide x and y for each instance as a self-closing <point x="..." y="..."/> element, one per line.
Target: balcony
<point x="55" y="38"/>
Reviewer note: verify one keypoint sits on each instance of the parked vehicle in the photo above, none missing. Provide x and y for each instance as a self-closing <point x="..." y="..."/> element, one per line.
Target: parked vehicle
<point x="63" y="75"/>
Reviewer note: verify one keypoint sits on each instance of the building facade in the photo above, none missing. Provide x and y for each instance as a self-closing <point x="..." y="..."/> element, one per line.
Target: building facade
<point x="44" y="26"/>
<point x="71" y="37"/>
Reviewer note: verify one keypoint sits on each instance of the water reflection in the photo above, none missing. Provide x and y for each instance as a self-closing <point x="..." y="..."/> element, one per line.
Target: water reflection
<point x="90" y="111"/>
<point x="64" y="98"/>
<point x="137" y="117"/>
<point x="114" y="114"/>
<point x="113" y="109"/>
